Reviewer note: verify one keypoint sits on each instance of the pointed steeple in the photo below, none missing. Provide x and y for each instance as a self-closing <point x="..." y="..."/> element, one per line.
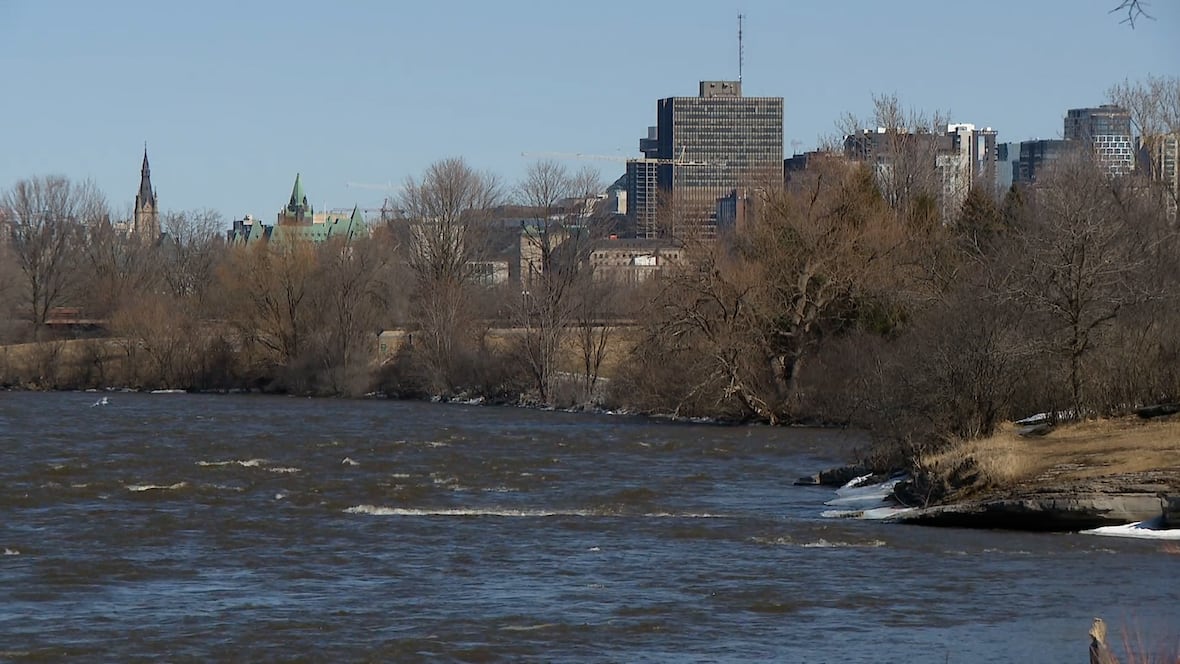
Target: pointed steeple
<point x="146" y="197"/>
<point x="146" y="220"/>
<point x="298" y="200"/>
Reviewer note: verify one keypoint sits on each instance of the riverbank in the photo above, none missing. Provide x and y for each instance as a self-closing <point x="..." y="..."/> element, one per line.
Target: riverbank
<point x="1066" y="478"/>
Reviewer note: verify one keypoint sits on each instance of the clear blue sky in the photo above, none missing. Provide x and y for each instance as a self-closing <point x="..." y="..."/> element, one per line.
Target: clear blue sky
<point x="234" y="98"/>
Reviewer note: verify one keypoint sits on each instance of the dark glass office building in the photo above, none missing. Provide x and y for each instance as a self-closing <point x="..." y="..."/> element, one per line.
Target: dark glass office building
<point x="710" y="144"/>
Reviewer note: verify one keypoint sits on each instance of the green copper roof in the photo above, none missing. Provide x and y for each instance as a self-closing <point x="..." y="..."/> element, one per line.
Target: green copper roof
<point x="298" y="198"/>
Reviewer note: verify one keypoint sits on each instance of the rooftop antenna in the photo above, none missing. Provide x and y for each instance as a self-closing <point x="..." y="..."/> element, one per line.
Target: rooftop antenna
<point x="741" y="52"/>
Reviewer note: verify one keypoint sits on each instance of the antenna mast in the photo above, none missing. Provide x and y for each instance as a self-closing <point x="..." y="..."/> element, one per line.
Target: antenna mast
<point x="741" y="52"/>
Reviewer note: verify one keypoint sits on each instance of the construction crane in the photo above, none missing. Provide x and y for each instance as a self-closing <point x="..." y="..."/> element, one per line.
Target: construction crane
<point x="679" y="161"/>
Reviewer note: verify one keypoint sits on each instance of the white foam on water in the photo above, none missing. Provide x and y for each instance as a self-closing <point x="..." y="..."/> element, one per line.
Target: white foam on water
<point x="11" y="552"/>
<point x="400" y="476"/>
<point x="347" y="461"/>
<point x="168" y="392"/>
<point x="284" y="470"/>
<point x="246" y="463"/>
<point x="377" y="510"/>
<point x="825" y="544"/>
<point x="527" y="628"/>
<point x="156" y="487"/>
<point x="281" y="495"/>
<point x="1152" y="529"/>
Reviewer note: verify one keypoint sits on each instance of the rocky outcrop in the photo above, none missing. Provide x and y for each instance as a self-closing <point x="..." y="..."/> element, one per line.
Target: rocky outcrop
<point x="834" y="476"/>
<point x="1076" y="506"/>
<point x="1171" y="507"/>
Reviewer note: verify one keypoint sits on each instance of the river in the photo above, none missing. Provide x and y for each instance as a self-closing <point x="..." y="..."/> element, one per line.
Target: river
<point x="176" y="527"/>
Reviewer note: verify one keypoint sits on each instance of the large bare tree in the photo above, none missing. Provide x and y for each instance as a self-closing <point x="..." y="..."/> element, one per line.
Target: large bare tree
<point x="46" y="218"/>
<point x="447" y="210"/>
<point x="753" y="312"/>
<point x="191" y="247"/>
<point x="904" y="148"/>
<point x="1084" y="257"/>
<point x="555" y="248"/>
<point x="348" y="296"/>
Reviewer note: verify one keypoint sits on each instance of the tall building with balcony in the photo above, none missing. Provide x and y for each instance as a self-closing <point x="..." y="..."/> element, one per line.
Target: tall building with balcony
<point x="705" y="147"/>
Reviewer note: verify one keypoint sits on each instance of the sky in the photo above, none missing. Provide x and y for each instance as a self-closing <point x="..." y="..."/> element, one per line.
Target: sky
<point x="234" y="98"/>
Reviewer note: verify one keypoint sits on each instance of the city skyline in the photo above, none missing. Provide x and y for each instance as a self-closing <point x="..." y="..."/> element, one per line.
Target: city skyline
<point x="234" y="100"/>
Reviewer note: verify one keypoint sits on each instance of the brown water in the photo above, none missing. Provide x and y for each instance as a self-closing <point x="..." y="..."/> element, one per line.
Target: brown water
<point x="212" y="528"/>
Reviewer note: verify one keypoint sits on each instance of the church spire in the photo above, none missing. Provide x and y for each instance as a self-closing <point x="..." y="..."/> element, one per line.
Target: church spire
<point x="146" y="195"/>
<point x="146" y="222"/>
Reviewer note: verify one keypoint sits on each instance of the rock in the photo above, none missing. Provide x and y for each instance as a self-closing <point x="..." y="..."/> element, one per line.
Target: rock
<point x="1159" y="410"/>
<point x="838" y="477"/>
<point x="1035" y="430"/>
<point x="1067" y="512"/>
<point x="1171" y="508"/>
<point x="810" y="480"/>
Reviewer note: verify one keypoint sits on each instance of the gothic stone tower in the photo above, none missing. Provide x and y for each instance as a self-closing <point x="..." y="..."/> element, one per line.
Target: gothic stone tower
<point x="146" y="223"/>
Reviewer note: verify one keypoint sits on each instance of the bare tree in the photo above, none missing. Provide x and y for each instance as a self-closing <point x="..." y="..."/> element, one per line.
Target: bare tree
<point x="267" y="286"/>
<point x="447" y="210"/>
<point x="191" y="248"/>
<point x="348" y="296"/>
<point x="1154" y="107"/>
<point x="555" y="249"/>
<point x="1083" y="261"/>
<point x="904" y="148"/>
<point x="46" y="218"/>
<point x="755" y="311"/>
<point x="120" y="268"/>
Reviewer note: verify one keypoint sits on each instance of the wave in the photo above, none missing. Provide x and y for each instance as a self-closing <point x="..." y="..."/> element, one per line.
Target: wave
<point x="156" y="487"/>
<point x="821" y="543"/>
<point x="377" y="510"/>
<point x="825" y="544"/>
<point x="248" y="463"/>
<point x="11" y="552"/>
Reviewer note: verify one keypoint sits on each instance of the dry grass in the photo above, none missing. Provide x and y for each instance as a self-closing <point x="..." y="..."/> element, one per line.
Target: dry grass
<point x="1069" y="452"/>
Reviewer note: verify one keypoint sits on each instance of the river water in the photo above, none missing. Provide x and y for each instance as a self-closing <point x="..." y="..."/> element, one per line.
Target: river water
<point x="178" y="527"/>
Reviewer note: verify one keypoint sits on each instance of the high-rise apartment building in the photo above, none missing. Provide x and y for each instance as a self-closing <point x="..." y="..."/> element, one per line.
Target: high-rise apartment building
<point x="705" y="147"/>
<point x="1107" y="130"/>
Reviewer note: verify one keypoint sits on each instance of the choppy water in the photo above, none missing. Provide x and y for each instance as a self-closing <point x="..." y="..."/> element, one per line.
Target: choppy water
<point x="244" y="528"/>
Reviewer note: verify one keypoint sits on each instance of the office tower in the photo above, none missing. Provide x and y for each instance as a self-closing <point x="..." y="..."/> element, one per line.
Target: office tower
<point x="707" y="146"/>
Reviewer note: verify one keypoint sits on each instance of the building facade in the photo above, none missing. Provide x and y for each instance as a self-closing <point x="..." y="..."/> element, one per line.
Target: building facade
<point x="1107" y="131"/>
<point x="298" y="221"/>
<point x="705" y="147"/>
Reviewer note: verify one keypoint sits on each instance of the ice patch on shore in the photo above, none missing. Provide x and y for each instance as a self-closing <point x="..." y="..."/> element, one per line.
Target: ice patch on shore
<point x="1151" y="529"/>
<point x="874" y="514"/>
<point x="853" y="496"/>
